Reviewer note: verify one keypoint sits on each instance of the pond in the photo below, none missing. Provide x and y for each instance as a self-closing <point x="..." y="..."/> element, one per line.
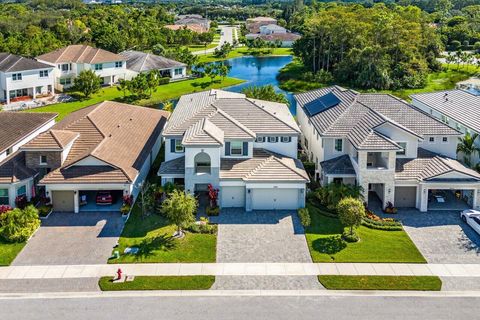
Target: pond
<point x="259" y="71"/>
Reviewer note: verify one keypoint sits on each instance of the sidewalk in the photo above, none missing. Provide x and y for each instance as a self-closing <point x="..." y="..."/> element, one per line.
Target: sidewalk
<point x="240" y="269"/>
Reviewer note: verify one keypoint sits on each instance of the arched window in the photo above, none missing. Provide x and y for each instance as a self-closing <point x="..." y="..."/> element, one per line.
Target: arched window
<point x="202" y="163"/>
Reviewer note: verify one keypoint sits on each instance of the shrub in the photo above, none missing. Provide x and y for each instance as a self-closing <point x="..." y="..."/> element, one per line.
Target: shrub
<point x="304" y="217"/>
<point x="18" y="225"/>
<point x="213" y="211"/>
<point x="164" y="80"/>
<point x="21" y="202"/>
<point x="350" y="237"/>
<point x="455" y="44"/>
<point x="203" y="227"/>
<point x="125" y="209"/>
<point x="4" y="208"/>
<point x="44" y="210"/>
<point x="330" y="195"/>
<point x="476" y="47"/>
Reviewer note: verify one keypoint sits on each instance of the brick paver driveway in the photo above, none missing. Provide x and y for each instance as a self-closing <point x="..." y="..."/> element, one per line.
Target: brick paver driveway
<point x="67" y="238"/>
<point x="441" y="236"/>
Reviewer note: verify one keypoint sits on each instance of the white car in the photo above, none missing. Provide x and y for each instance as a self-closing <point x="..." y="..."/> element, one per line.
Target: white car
<point x="472" y="218"/>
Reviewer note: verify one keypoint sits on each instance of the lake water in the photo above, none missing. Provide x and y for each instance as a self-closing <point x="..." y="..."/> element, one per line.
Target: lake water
<point x="259" y="71"/>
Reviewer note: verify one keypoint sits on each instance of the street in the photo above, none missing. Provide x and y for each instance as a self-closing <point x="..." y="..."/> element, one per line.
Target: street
<point x="226" y="36"/>
<point x="152" y="306"/>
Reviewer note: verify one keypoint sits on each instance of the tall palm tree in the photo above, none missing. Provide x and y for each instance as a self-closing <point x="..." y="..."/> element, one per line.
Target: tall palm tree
<point x="467" y="146"/>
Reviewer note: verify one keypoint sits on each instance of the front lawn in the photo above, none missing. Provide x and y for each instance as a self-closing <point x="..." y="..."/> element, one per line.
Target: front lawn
<point x="163" y="93"/>
<point x="159" y="283"/>
<point x="8" y="251"/>
<point x="153" y="236"/>
<point x="326" y="245"/>
<point x="419" y="283"/>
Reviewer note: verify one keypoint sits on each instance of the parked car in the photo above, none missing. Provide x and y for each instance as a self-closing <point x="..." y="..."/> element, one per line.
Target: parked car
<point x="472" y="218"/>
<point x="104" y="198"/>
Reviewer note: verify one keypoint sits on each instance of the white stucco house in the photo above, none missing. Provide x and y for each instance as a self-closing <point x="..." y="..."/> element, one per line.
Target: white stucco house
<point x="69" y="61"/>
<point x="460" y="109"/>
<point x="106" y="147"/>
<point x="396" y="152"/>
<point x="17" y="129"/>
<point x="23" y="78"/>
<point x="138" y="62"/>
<point x="246" y="148"/>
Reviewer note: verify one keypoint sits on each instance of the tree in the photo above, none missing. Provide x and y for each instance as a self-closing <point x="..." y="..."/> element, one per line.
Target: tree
<point x="467" y="147"/>
<point x="147" y="201"/>
<point x="211" y="71"/>
<point x="180" y="207"/>
<point x="350" y="212"/>
<point x="123" y="86"/>
<point x="223" y="70"/>
<point x="139" y="85"/>
<point x="168" y="106"/>
<point x="265" y="93"/>
<point x="87" y="82"/>
<point x="153" y="81"/>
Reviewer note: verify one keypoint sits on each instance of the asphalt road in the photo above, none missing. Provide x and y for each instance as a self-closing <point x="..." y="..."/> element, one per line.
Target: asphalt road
<point x="226" y="36"/>
<point x="246" y="307"/>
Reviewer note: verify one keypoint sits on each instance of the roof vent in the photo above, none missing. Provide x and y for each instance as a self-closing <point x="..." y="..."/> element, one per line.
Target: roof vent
<point x="445" y="96"/>
<point x="110" y="135"/>
<point x="131" y="119"/>
<point x="118" y="126"/>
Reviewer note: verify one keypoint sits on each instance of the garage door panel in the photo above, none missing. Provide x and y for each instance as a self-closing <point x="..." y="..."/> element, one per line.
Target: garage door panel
<point x="233" y="197"/>
<point x="405" y="197"/>
<point x="275" y="199"/>
<point x="63" y="201"/>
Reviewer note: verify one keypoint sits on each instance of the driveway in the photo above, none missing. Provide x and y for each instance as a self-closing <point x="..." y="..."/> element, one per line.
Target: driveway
<point x="441" y="236"/>
<point x="67" y="238"/>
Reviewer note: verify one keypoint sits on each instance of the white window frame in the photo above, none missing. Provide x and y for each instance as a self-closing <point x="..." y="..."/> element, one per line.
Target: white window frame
<point x="17" y="76"/>
<point x="21" y="194"/>
<point x="65" y="82"/>
<point x="286" y="139"/>
<point x="118" y="64"/>
<point x="98" y="66"/>
<point x="260" y="140"/>
<point x="41" y="160"/>
<point x="444" y="139"/>
<point x="335" y="145"/>
<point x="431" y="139"/>
<point x="404" y="151"/>
<point x="272" y="139"/>
<point x="179" y="148"/>
<point x="178" y="71"/>
<point x="234" y="146"/>
<point x="7" y="197"/>
<point x="43" y="74"/>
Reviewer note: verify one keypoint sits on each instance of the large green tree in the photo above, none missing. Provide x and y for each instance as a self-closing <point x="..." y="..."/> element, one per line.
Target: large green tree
<point x="180" y="208"/>
<point x="468" y="147"/>
<point x="350" y="212"/>
<point x="87" y="82"/>
<point x="267" y="93"/>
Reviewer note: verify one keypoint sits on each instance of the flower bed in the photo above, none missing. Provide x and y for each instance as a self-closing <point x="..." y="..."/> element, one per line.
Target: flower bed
<point x="375" y="222"/>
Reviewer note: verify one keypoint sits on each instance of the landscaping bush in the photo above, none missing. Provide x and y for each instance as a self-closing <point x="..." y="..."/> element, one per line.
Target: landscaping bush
<point x="304" y="217"/>
<point x="125" y="209"/>
<point x="5" y="208"/>
<point x="44" y="210"/>
<point x="213" y="211"/>
<point x="331" y="194"/>
<point x="21" y="202"/>
<point x="203" y="227"/>
<point x="350" y="237"/>
<point x="18" y="225"/>
<point x="164" y="80"/>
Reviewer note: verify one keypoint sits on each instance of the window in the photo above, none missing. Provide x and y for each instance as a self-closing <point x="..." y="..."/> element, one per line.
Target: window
<point x="65" y="67"/>
<point x="118" y="64"/>
<point x="273" y="139"/>
<point x="339" y="145"/>
<point x="236" y="148"/>
<point x="98" y="66"/>
<point x="178" y="71"/>
<point x="43" y="159"/>
<point x="286" y="139"/>
<point x="444" y="139"/>
<point x="445" y="119"/>
<point x="43" y="73"/>
<point x="338" y="180"/>
<point x="260" y="140"/>
<point x="22" y="191"/>
<point x="4" y="196"/>
<point x="178" y="146"/>
<point x="65" y="81"/>
<point x="16" y="76"/>
<point x="431" y="139"/>
<point x="404" y="148"/>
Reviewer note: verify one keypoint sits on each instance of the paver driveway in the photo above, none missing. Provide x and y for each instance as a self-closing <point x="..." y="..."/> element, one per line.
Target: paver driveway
<point x="67" y="238"/>
<point x="441" y="236"/>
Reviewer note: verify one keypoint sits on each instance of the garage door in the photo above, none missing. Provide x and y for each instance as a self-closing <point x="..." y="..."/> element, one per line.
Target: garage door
<point x="233" y="197"/>
<point x="405" y="197"/>
<point x="275" y="199"/>
<point x="63" y="201"/>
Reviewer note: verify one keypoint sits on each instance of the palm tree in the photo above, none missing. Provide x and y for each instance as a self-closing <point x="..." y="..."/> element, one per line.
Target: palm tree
<point x="467" y="146"/>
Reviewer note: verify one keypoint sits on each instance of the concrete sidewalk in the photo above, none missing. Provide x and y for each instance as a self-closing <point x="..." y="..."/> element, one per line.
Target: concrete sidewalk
<point x="239" y="269"/>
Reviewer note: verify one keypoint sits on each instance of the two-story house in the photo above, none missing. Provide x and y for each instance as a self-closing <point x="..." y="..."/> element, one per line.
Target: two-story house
<point x="23" y="78"/>
<point x="246" y="148"/>
<point x="70" y="61"/>
<point x="17" y="129"/>
<point x="460" y="109"/>
<point x="394" y="151"/>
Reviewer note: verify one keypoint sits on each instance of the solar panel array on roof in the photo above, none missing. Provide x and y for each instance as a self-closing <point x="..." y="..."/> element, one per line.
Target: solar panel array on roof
<point x="322" y="103"/>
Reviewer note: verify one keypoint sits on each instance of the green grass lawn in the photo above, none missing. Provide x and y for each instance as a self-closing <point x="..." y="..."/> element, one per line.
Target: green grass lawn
<point x="419" y="283"/>
<point x="159" y="283"/>
<point x="8" y="251"/>
<point x="200" y="47"/>
<point x="243" y="51"/>
<point x="153" y="236"/>
<point x="325" y="244"/>
<point x="163" y="93"/>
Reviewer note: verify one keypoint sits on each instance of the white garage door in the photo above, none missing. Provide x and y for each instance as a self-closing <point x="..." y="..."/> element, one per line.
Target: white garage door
<point x="405" y="197"/>
<point x="275" y="199"/>
<point x="233" y="197"/>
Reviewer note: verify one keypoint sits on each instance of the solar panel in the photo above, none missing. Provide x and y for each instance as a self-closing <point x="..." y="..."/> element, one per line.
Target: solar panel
<point x="324" y="102"/>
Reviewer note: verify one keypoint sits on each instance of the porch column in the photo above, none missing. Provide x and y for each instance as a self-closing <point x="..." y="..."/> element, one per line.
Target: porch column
<point x="12" y="194"/>
<point x="34" y="94"/>
<point x="423" y="199"/>
<point x="7" y="91"/>
<point x="475" y="203"/>
<point x="172" y="73"/>
<point x="76" y="201"/>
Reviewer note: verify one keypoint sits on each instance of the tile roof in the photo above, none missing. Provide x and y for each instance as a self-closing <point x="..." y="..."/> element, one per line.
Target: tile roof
<point x="203" y="133"/>
<point x="341" y="165"/>
<point x="288" y="36"/>
<point x="16" y="126"/>
<point x="13" y="169"/>
<point x="358" y="116"/>
<point x="78" y="53"/>
<point x="86" y="174"/>
<point x="195" y="27"/>
<point x="13" y="63"/>
<point x="429" y="165"/>
<point x="52" y="139"/>
<point x="173" y="167"/>
<point x="233" y="113"/>
<point x="106" y="132"/>
<point x="460" y="105"/>
<point x="142" y="62"/>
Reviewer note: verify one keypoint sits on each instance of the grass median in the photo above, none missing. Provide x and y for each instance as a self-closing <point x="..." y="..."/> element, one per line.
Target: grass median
<point x="158" y="283"/>
<point x="415" y="283"/>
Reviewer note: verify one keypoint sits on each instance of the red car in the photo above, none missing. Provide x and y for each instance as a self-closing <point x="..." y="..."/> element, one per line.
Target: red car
<point x="104" y="198"/>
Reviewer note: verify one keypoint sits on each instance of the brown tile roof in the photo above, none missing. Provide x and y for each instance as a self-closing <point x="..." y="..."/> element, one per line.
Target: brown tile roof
<point x="86" y="174"/>
<point x="15" y="126"/>
<point x="280" y="36"/>
<point x="80" y="54"/>
<point x="117" y="134"/>
<point x="13" y="169"/>
<point x="52" y="139"/>
<point x="198" y="28"/>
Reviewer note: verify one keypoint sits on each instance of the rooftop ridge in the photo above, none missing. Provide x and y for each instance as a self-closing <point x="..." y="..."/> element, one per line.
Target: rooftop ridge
<point x="274" y="115"/>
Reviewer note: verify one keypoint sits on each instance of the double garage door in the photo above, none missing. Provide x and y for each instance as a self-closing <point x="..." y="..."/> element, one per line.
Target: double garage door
<point x="275" y="199"/>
